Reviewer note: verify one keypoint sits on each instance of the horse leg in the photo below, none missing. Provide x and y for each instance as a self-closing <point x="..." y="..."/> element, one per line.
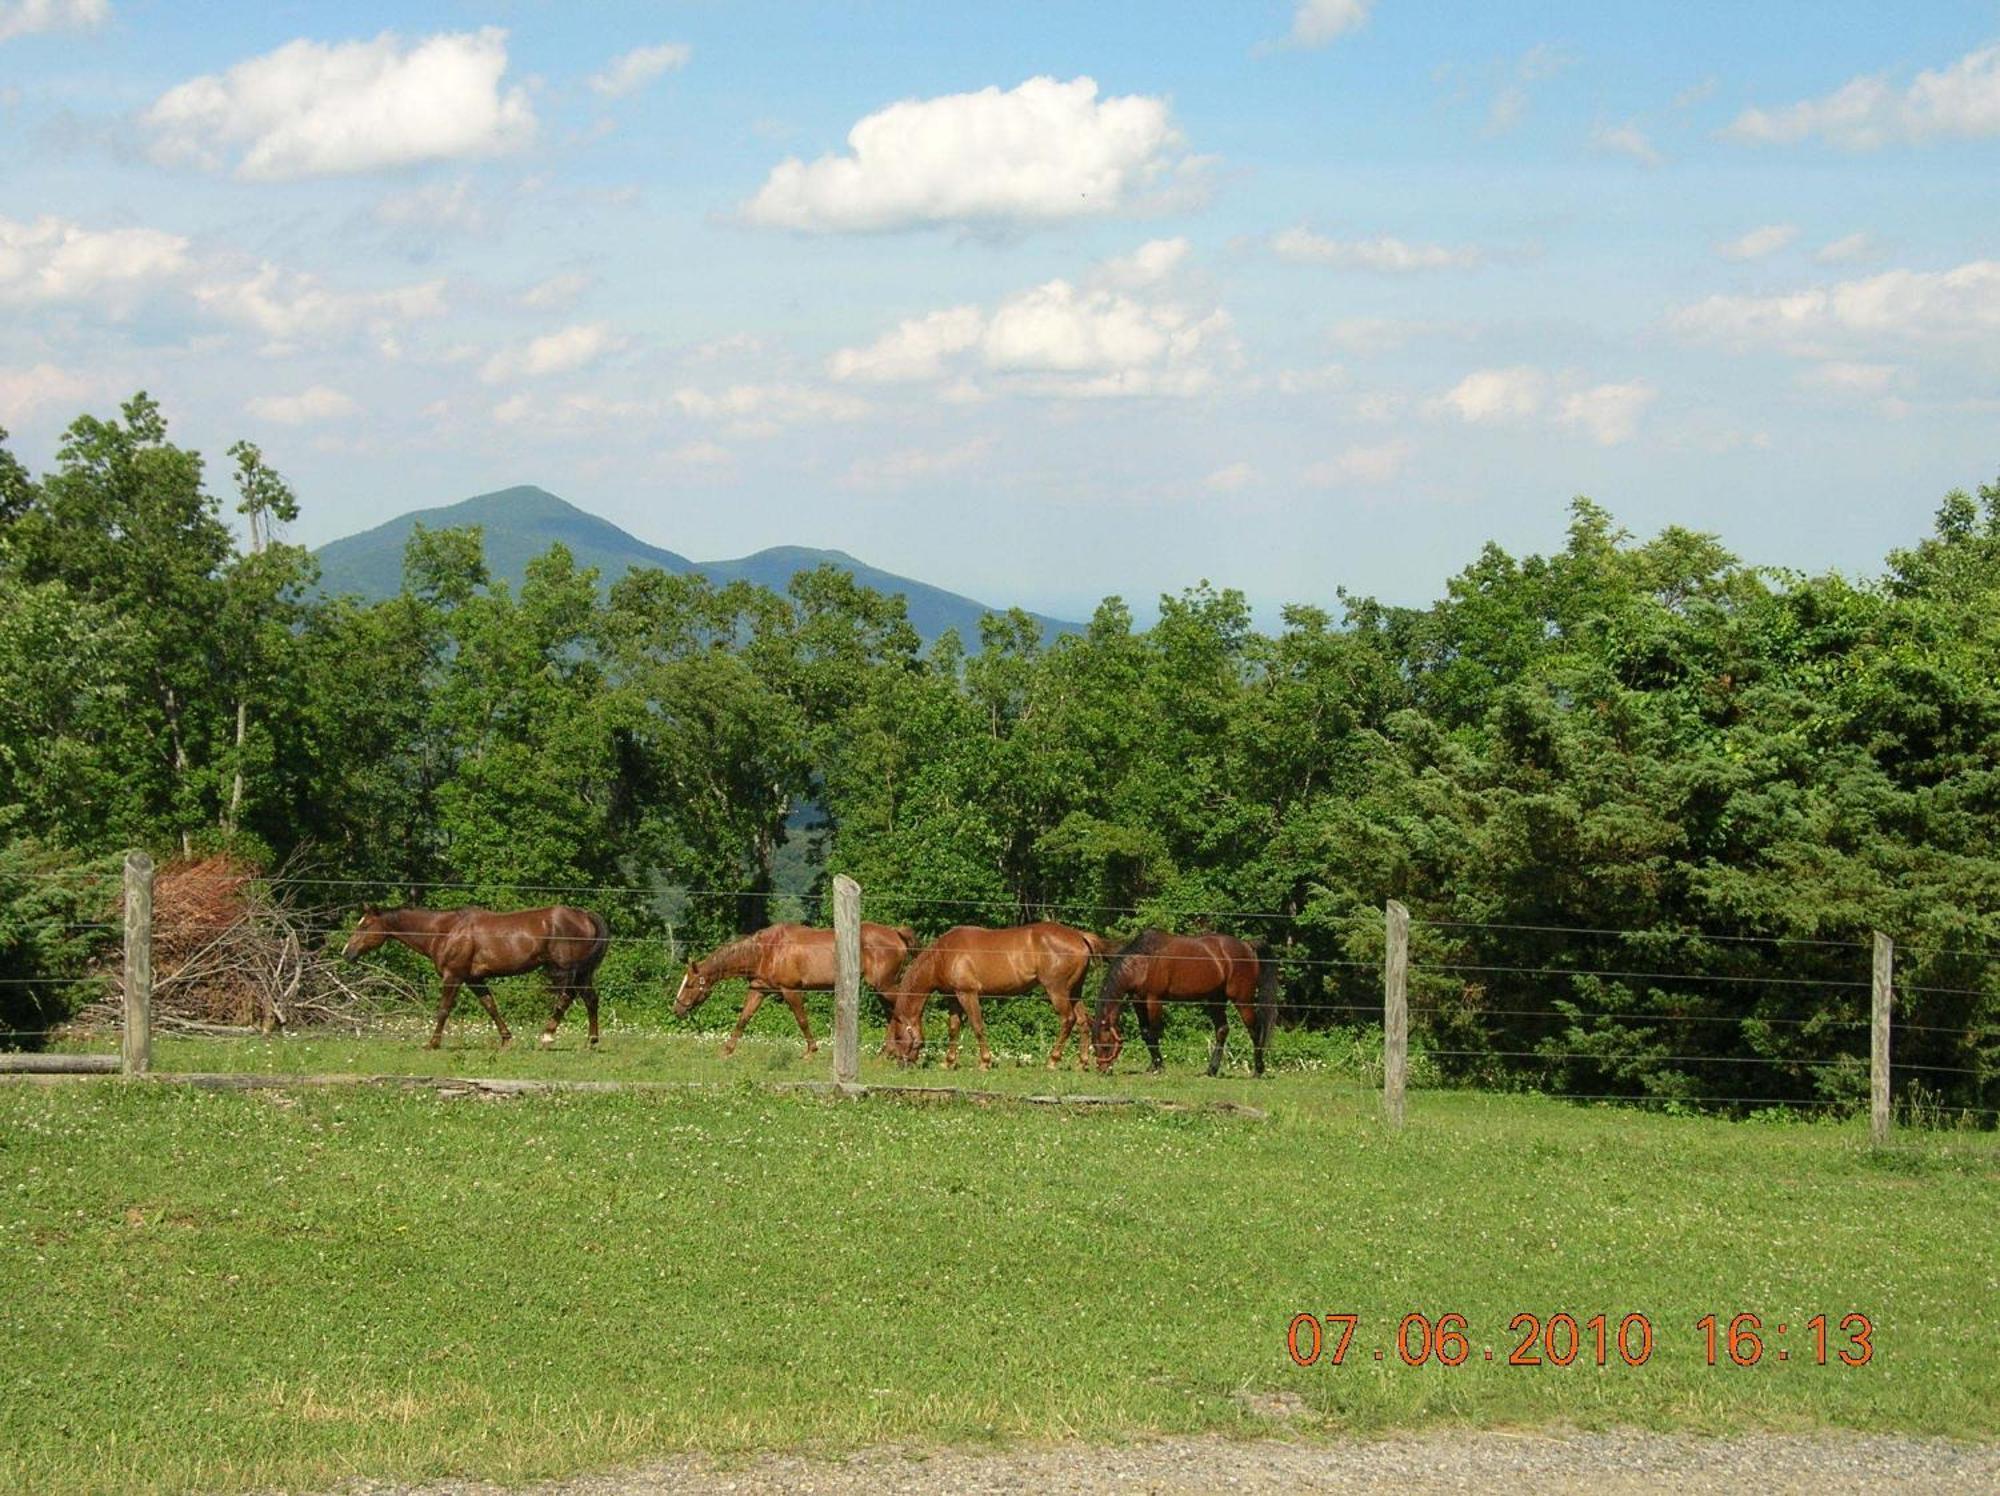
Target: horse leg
<point x="954" y="1015"/>
<point x="750" y="1005"/>
<point x="1218" y="1014"/>
<point x="797" y="1002"/>
<point x="590" y="1006"/>
<point x="1248" y="1013"/>
<point x="1152" y="1024"/>
<point x="1066" y="1007"/>
<point x="447" y="1000"/>
<point x="564" y="983"/>
<point x="493" y="1011"/>
<point x="970" y="1001"/>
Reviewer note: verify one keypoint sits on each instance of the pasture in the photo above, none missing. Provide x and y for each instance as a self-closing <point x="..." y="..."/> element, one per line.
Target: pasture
<point x="288" y="1288"/>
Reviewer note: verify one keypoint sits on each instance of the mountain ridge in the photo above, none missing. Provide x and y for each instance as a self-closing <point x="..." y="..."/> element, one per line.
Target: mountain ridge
<point x="521" y="522"/>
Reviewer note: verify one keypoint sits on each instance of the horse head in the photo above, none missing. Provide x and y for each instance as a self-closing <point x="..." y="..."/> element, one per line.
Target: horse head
<point x="370" y="933"/>
<point x="1106" y="1040"/>
<point x="693" y="991"/>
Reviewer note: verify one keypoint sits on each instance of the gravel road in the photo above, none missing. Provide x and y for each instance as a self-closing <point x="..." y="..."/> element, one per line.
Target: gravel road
<point x="1606" y="1462"/>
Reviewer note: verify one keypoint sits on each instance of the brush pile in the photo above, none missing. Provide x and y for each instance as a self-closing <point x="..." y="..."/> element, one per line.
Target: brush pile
<point x="235" y="951"/>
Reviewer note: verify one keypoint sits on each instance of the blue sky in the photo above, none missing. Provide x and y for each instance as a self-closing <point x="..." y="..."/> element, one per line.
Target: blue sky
<point x="1038" y="302"/>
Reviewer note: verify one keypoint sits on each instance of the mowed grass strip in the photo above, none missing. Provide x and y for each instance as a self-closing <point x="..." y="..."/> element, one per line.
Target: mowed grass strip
<point x="290" y="1288"/>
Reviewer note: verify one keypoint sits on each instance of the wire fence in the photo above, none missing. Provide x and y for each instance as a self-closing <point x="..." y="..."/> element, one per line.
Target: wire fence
<point x="1469" y="1023"/>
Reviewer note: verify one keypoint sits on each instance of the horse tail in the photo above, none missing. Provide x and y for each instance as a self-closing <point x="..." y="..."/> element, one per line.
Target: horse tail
<point x="600" y="931"/>
<point x="1267" y="992"/>
<point x="1100" y="945"/>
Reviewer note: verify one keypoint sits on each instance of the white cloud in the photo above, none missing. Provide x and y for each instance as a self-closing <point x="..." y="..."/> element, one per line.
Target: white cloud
<point x="1841" y="376"/>
<point x="1039" y="153"/>
<point x="1541" y="61"/>
<point x="436" y="205"/>
<point x="54" y="259"/>
<point x="917" y="464"/>
<point x="702" y="454"/>
<point x="25" y="391"/>
<point x="1497" y="395"/>
<point x="1362" y="466"/>
<point x="1063" y="339"/>
<point x="1317" y="22"/>
<point x="1847" y="250"/>
<point x="1759" y="242"/>
<point x="560" y="352"/>
<point x="1303" y="247"/>
<point x="914" y="349"/>
<point x="765" y="409"/>
<point x="1151" y="263"/>
<point x="290" y="306"/>
<point x="309" y="407"/>
<point x="568" y="413"/>
<point x="29" y="17"/>
<point x="633" y="71"/>
<point x="1609" y="412"/>
<point x="1938" y="306"/>
<point x="1961" y="101"/>
<point x="556" y="292"/>
<point x="312" y="109"/>
<point x="1231" y="479"/>
<point x="1627" y="140"/>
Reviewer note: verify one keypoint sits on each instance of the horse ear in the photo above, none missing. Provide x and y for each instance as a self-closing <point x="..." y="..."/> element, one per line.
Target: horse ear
<point x="370" y="910"/>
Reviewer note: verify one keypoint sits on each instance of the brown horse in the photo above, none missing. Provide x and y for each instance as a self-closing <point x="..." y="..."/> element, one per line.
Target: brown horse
<point x="1154" y="968"/>
<point x="469" y="947"/>
<point x="970" y="962"/>
<point x="790" y="960"/>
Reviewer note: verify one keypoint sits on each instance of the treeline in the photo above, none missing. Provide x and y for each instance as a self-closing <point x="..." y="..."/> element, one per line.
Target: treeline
<point x="1645" y="802"/>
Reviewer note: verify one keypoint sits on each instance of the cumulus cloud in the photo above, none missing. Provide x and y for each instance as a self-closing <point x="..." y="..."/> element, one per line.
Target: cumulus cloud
<point x="1040" y="153"/>
<point x="917" y="464"/>
<point x="309" y="407"/>
<point x="55" y="259"/>
<point x="1627" y="140"/>
<point x="1301" y="246"/>
<point x="633" y="71"/>
<point x="1369" y="466"/>
<point x="1961" y="101"/>
<point x="1609" y="412"/>
<point x="1937" y="306"/>
<point x="1759" y="242"/>
<point x="1317" y="22"/>
<point x="1059" y="338"/>
<point x="569" y="413"/>
<point x="1488" y="396"/>
<point x="313" y="109"/>
<point x="560" y="352"/>
<point x="25" y="391"/>
<point x="1234" y="478"/>
<point x="290" y="307"/>
<point x="29" y="17"/>
<point x="1150" y="264"/>
<point x="557" y="291"/>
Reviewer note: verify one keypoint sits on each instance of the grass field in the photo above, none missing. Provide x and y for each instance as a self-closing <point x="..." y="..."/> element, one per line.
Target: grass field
<point x="287" y="1288"/>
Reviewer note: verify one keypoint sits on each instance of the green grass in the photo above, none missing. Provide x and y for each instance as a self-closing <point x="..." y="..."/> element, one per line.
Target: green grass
<point x="289" y="1288"/>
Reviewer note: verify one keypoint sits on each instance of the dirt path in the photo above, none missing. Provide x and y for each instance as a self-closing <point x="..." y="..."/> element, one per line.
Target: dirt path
<point x="1612" y="1462"/>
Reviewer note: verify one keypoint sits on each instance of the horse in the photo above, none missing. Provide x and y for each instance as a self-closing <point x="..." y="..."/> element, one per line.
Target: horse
<point x="970" y="962"/>
<point x="1155" y="967"/>
<point x="469" y="947"/>
<point x="790" y="960"/>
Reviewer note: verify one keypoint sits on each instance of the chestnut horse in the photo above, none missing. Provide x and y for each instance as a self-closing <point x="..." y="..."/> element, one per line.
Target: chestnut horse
<point x="790" y="960"/>
<point x="469" y="947"/>
<point x="970" y="962"/>
<point x="1154" y="968"/>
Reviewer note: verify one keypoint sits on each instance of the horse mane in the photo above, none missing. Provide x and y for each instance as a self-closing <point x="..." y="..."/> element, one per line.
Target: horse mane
<point x="1145" y="943"/>
<point x="740" y="951"/>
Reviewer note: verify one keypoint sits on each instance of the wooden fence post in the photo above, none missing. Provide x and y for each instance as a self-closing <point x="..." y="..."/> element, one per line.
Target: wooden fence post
<point x="137" y="1047"/>
<point x="846" y="980"/>
<point x="1395" y="1011"/>
<point x="1878" y="1049"/>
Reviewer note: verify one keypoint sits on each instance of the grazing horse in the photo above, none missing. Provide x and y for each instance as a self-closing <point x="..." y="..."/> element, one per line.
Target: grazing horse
<point x="790" y="960"/>
<point x="970" y="962"/>
<point x="1154" y="968"/>
<point x="469" y="947"/>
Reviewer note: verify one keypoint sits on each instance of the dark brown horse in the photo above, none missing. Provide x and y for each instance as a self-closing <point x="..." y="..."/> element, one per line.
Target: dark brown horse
<point x="1154" y="968"/>
<point x="470" y="947"/>
<point x="970" y="962"/>
<point x="790" y="960"/>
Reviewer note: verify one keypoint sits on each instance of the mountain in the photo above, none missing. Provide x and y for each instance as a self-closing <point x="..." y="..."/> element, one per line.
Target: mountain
<point x="520" y="523"/>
